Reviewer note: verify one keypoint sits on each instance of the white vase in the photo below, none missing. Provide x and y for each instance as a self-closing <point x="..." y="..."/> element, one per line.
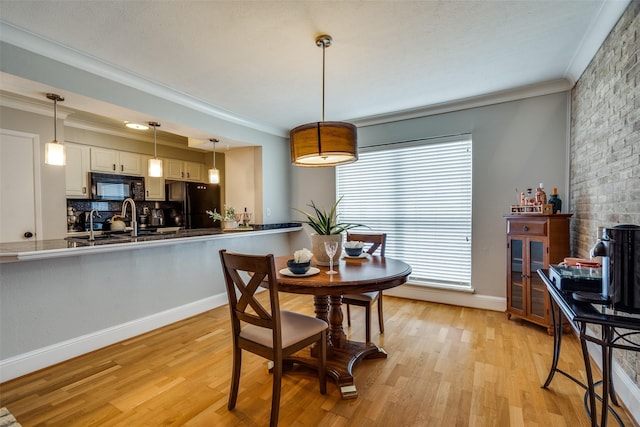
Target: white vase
<point x="320" y="256"/>
<point x="229" y="224"/>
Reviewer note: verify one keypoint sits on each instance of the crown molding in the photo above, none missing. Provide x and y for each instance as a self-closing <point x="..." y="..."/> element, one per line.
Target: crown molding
<point x="43" y="108"/>
<point x="122" y="133"/>
<point x="51" y="49"/>
<point x="30" y="105"/>
<point x="598" y="31"/>
<point x="545" y="88"/>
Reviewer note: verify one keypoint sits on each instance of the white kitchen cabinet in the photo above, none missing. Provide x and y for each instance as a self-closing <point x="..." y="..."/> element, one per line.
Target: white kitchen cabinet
<point x="114" y="161"/>
<point x="174" y="169"/>
<point x="193" y="171"/>
<point x="76" y="170"/>
<point x="153" y="185"/>
<point x="184" y="171"/>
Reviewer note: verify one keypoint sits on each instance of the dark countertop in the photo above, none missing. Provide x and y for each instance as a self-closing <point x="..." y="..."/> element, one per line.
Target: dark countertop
<point x="78" y="244"/>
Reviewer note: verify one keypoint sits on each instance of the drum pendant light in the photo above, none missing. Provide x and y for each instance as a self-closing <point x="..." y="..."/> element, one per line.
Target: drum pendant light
<point x="54" y="153"/>
<point x="323" y="143"/>
<point x="214" y="174"/>
<point x="155" y="164"/>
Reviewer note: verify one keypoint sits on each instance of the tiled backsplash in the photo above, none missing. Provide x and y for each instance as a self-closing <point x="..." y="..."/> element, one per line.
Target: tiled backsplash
<point x="82" y="207"/>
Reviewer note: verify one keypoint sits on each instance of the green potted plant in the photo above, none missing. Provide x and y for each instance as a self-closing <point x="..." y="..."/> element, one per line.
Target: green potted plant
<point x="228" y="220"/>
<point x="326" y="228"/>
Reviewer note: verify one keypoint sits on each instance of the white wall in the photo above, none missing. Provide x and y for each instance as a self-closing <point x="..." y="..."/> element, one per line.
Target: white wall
<point x="55" y="309"/>
<point x="516" y="144"/>
<point x="240" y="188"/>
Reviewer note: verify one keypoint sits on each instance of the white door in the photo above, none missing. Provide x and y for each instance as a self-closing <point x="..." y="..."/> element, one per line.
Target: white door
<point x="19" y="194"/>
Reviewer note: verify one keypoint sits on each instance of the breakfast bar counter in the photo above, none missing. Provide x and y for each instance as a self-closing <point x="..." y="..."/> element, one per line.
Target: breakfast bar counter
<point x="79" y="244"/>
<point x="66" y="297"/>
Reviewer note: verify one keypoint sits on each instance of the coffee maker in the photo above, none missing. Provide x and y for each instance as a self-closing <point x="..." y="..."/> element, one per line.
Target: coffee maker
<point x="619" y="247"/>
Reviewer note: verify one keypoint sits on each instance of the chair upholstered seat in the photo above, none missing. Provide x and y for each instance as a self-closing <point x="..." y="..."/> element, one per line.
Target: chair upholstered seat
<point x="367" y="296"/>
<point x="294" y="327"/>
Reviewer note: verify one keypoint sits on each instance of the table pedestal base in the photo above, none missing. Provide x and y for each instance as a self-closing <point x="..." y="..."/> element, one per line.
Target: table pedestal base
<point x="342" y="354"/>
<point x="341" y="362"/>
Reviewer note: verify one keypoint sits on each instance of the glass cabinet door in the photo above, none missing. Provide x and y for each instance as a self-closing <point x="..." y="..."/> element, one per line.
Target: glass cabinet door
<point x="537" y="291"/>
<point x="517" y="275"/>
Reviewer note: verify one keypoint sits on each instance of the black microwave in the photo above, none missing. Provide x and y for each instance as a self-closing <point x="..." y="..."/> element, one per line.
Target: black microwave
<point x="106" y="186"/>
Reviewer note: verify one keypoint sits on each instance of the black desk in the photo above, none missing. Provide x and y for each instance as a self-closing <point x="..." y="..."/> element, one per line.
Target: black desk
<point x="616" y="328"/>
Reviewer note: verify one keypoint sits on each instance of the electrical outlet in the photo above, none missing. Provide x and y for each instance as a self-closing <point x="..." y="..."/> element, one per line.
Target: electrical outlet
<point x="268" y="211"/>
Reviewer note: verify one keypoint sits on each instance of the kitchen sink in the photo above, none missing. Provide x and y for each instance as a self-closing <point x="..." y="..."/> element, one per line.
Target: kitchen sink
<point x="114" y="237"/>
<point x="97" y="237"/>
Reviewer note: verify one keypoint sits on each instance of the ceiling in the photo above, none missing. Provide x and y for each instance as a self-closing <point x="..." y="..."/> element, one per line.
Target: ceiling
<point x="256" y="62"/>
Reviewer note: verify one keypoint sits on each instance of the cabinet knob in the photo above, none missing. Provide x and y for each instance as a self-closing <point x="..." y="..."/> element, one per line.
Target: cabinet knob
<point x="114" y="166"/>
<point x="84" y="190"/>
<point x="525" y="228"/>
<point x="28" y="234"/>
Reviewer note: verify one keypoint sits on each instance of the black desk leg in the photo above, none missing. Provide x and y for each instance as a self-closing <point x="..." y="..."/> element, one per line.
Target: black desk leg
<point x="557" y="340"/>
<point x="609" y="355"/>
<point x="590" y="388"/>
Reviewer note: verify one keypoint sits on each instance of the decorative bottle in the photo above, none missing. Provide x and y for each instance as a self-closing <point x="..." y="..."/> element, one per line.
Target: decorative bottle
<point x="541" y="196"/>
<point x="555" y="201"/>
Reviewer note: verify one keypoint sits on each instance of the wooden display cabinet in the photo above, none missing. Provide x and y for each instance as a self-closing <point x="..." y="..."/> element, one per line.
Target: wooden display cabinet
<point x="533" y="241"/>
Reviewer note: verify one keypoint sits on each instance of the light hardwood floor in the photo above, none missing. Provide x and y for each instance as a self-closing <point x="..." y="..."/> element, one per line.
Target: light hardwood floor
<point x="447" y="366"/>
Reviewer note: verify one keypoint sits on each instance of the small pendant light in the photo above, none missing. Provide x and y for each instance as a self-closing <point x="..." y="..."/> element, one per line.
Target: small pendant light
<point x="54" y="151"/>
<point x="155" y="164"/>
<point x="214" y="174"/>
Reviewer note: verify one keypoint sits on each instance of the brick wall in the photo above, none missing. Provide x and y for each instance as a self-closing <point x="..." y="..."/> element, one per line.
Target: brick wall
<point x="605" y="144"/>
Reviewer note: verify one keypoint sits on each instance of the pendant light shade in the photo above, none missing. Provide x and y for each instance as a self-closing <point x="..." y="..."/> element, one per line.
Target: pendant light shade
<point x="155" y="164"/>
<point x="323" y="143"/>
<point x="214" y="174"/>
<point x="54" y="153"/>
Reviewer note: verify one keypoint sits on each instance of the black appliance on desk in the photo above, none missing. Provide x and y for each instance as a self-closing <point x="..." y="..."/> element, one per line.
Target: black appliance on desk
<point x="196" y="199"/>
<point x="619" y="247"/>
<point x="576" y="278"/>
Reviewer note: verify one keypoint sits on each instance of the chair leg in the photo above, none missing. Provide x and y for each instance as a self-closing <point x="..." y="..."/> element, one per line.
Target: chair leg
<point x="322" y="361"/>
<point x="235" y="377"/>
<point x="380" y="317"/>
<point x="348" y="315"/>
<point x="367" y="315"/>
<point x="277" y="387"/>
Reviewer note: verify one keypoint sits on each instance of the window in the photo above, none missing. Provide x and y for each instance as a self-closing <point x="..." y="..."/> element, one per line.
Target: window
<point x="419" y="193"/>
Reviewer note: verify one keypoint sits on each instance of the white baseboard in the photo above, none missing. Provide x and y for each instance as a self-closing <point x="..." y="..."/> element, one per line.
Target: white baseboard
<point x="446" y="296"/>
<point x="32" y="361"/>
<point x="627" y="391"/>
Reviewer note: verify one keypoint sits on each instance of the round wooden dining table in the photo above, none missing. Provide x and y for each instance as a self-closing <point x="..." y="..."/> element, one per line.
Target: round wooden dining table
<point x="355" y="275"/>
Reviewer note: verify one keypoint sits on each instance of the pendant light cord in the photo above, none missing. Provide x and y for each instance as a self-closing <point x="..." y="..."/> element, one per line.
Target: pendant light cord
<point x="324" y="47"/>
<point x="155" y="140"/>
<point x="155" y="144"/>
<point x="55" y="120"/>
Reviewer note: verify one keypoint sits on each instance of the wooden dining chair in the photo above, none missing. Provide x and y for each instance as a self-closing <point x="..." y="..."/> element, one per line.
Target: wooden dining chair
<point x="264" y="329"/>
<point x="367" y="299"/>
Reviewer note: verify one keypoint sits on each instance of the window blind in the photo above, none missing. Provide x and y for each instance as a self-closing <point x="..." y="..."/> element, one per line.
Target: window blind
<point x="419" y="193"/>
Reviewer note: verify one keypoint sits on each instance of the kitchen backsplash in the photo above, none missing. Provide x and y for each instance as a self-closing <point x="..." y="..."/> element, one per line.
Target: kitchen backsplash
<point x="150" y="214"/>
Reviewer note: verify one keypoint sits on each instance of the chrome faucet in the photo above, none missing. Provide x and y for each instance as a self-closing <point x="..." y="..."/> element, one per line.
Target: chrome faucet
<point x="92" y="236"/>
<point x="134" y="221"/>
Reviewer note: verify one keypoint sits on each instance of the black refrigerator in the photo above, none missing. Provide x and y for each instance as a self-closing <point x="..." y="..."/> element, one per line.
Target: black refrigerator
<point x="196" y="199"/>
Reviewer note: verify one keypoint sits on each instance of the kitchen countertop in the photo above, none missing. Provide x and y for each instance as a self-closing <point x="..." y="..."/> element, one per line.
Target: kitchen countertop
<point x="75" y="244"/>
